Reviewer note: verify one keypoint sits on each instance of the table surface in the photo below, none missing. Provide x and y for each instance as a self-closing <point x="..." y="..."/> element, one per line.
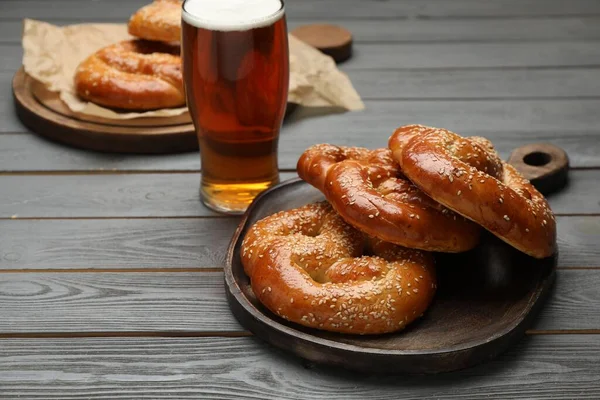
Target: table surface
<point x="111" y="282"/>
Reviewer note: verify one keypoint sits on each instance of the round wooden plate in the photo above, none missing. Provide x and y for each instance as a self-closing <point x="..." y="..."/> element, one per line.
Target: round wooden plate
<point x="44" y="113"/>
<point x="50" y="120"/>
<point x="486" y="300"/>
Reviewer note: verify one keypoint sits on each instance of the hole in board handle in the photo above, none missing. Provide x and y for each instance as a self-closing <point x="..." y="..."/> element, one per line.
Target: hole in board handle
<point x="537" y="159"/>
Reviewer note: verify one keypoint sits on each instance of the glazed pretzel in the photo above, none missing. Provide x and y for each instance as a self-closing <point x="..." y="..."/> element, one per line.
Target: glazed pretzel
<point x="368" y="190"/>
<point x="159" y="20"/>
<point x="132" y="75"/>
<point x="309" y="267"/>
<point x="467" y="176"/>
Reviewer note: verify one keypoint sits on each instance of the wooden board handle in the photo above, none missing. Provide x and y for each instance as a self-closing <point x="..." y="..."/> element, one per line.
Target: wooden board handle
<point x="545" y="165"/>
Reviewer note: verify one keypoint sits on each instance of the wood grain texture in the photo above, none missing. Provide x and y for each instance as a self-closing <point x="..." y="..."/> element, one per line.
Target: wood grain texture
<point x="540" y="367"/>
<point x="195" y="302"/>
<point x="104" y="195"/>
<point x="310" y="9"/>
<point x="431" y="84"/>
<point x="438" y="55"/>
<point x="569" y="124"/>
<point x="428" y="84"/>
<point x="462" y="30"/>
<point x="474" y="55"/>
<point x="186" y="243"/>
<point x="114" y="302"/>
<point x="30" y="152"/>
<point x="115" y="244"/>
<point x="177" y="195"/>
<point x="425" y="30"/>
<point x="472" y="84"/>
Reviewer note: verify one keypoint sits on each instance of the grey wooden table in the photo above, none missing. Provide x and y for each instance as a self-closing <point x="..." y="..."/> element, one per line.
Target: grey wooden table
<point x="111" y="281"/>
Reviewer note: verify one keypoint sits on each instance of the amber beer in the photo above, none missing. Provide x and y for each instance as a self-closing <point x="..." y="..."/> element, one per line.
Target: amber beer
<point x="236" y="72"/>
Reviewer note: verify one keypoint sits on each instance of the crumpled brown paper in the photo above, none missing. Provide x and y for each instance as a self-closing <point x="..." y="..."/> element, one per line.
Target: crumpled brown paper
<point x="51" y="55"/>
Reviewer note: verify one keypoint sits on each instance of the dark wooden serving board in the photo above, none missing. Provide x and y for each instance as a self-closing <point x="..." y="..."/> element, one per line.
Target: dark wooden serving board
<point x="46" y="116"/>
<point x="44" y="113"/>
<point x="486" y="298"/>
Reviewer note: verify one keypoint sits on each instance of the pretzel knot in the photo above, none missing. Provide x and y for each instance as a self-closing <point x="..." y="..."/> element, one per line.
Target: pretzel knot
<point x="309" y="267"/>
<point x="467" y="176"/>
<point x="368" y="190"/>
<point x="133" y="74"/>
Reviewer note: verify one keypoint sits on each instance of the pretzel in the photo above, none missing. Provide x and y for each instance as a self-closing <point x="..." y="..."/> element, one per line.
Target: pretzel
<point x="159" y="20"/>
<point x="132" y="75"/>
<point x="368" y="190"/>
<point x="467" y="176"/>
<point x="309" y="267"/>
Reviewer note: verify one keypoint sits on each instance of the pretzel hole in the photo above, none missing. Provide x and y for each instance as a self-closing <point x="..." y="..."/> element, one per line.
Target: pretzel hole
<point x="537" y="158"/>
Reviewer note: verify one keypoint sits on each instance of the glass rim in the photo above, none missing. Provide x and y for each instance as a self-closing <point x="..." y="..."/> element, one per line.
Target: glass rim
<point x="250" y="24"/>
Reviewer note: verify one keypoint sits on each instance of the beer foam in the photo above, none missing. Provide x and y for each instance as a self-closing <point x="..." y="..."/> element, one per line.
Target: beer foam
<point x="232" y="15"/>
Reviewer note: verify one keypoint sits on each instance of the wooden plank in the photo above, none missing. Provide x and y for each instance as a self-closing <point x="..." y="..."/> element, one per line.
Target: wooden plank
<point x="433" y="84"/>
<point x="12" y="59"/>
<point x="463" y="30"/>
<point x="19" y="153"/>
<point x="570" y="124"/>
<point x="427" y="30"/>
<point x="311" y="9"/>
<point x="111" y="195"/>
<point x="437" y="55"/>
<point x="474" y="55"/>
<point x="538" y="367"/>
<point x="195" y="302"/>
<point x="126" y="244"/>
<point x="426" y="84"/>
<point x="477" y="84"/>
<point x="115" y="244"/>
<point x="177" y="195"/>
<point x="115" y="302"/>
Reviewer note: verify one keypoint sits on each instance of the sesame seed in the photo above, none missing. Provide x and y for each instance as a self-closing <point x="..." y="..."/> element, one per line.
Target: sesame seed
<point x="371" y="216"/>
<point x="459" y="192"/>
<point x="501" y="200"/>
<point x="506" y="217"/>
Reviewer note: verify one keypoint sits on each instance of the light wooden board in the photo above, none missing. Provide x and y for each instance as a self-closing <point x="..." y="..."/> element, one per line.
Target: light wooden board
<point x="540" y="367"/>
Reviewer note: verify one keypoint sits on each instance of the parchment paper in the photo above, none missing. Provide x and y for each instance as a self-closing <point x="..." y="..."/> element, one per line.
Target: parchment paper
<point x="52" y="53"/>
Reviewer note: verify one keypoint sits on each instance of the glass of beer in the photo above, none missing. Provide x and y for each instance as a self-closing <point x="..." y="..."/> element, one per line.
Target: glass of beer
<point x="236" y="73"/>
